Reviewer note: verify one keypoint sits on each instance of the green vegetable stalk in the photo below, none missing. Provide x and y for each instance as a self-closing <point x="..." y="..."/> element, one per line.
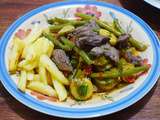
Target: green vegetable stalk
<point x="56" y="28"/>
<point x="107" y="27"/>
<point x="84" y="55"/>
<point x="67" y="21"/>
<point x="117" y="73"/>
<point x="117" y="26"/>
<point x="68" y="46"/>
<point x="56" y="42"/>
<point x="66" y="29"/>
<point x="138" y="45"/>
<point x="84" y="16"/>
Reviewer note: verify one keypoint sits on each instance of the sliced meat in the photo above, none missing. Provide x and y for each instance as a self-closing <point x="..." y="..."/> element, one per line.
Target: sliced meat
<point x="111" y="52"/>
<point x="122" y="41"/>
<point x="61" y="60"/>
<point x="123" y="38"/>
<point x="87" y="38"/>
<point x="136" y="60"/>
<point x="97" y="51"/>
<point x="106" y="50"/>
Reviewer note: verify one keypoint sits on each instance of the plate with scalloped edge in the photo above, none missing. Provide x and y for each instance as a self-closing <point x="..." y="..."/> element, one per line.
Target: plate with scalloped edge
<point x="104" y="104"/>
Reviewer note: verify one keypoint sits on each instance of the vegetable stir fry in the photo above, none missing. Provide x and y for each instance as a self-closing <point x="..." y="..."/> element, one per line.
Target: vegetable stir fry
<point x="71" y="57"/>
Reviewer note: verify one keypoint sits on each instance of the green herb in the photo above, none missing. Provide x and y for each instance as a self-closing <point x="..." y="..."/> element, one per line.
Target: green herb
<point x="82" y="90"/>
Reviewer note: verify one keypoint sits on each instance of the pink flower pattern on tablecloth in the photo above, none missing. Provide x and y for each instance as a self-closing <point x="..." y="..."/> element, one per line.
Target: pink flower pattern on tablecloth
<point x="90" y="10"/>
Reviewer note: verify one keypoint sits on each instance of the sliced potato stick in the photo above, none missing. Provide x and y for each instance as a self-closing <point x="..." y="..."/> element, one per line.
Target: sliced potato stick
<point x="41" y="88"/>
<point x="22" y="81"/>
<point x="33" y="36"/>
<point x="60" y="89"/>
<point x="43" y="74"/>
<point x="36" y="77"/>
<point x="28" y="65"/>
<point x="31" y="54"/>
<point x="40" y="46"/>
<point x="50" y="49"/>
<point x="22" y="63"/>
<point x="30" y="75"/>
<point x="16" y="52"/>
<point x="52" y="68"/>
<point x="49" y="79"/>
<point x="43" y="46"/>
<point x="25" y="50"/>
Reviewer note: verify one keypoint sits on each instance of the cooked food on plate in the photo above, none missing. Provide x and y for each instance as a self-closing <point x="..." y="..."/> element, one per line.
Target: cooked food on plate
<point x="72" y="57"/>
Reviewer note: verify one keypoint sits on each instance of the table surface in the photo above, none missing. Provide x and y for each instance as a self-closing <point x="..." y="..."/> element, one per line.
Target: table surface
<point x="147" y="108"/>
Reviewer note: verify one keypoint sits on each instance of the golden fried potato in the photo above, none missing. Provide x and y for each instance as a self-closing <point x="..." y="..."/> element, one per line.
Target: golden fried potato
<point x="41" y="88"/>
<point x="60" y="89"/>
<point x="15" y="55"/>
<point x="52" y="68"/>
<point x="43" y="74"/>
<point x="30" y="75"/>
<point x="40" y="46"/>
<point x="28" y="65"/>
<point x="22" y="81"/>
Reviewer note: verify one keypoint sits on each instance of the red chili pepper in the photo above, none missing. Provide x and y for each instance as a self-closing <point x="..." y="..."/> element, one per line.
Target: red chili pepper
<point x="132" y="79"/>
<point x="129" y="79"/>
<point x="145" y="61"/>
<point x="88" y="70"/>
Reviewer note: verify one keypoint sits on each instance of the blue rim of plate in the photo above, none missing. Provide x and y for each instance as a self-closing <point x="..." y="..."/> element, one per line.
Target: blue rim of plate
<point x="154" y="3"/>
<point x="80" y="112"/>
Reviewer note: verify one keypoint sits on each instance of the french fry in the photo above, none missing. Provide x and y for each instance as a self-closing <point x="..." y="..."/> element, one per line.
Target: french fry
<point x="43" y="74"/>
<point x="40" y="46"/>
<point x="28" y="65"/>
<point x="60" y="89"/>
<point x="52" y="68"/>
<point x="22" y="63"/>
<point x="32" y="37"/>
<point x="49" y="78"/>
<point x="16" y="52"/>
<point x="41" y="88"/>
<point x="43" y="46"/>
<point x="50" y="49"/>
<point x="36" y="77"/>
<point x="31" y="55"/>
<point x="30" y="75"/>
<point x="22" y="81"/>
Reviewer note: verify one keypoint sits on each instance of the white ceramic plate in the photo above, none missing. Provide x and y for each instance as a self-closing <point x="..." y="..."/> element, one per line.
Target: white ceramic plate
<point x="97" y="106"/>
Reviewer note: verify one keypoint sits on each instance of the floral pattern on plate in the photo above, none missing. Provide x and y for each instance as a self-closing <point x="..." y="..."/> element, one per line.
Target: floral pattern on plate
<point x="90" y="10"/>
